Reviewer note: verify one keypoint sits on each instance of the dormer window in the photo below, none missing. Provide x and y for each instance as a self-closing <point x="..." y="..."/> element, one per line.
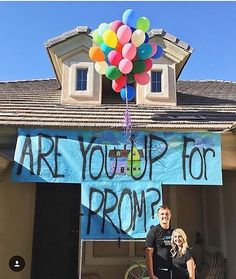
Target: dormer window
<point x="162" y="86"/>
<point x="81" y="79"/>
<point x="156" y="83"/>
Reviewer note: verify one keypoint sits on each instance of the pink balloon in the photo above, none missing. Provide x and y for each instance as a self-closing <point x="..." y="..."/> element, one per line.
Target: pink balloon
<point x="125" y="66"/>
<point x="129" y="51"/>
<point x="142" y="78"/>
<point x="115" y="25"/>
<point x="114" y="57"/>
<point x="148" y="63"/>
<point x="154" y="48"/>
<point x="124" y="34"/>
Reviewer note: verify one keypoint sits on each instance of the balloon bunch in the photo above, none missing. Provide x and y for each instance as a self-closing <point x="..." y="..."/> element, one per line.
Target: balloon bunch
<point x="123" y="53"/>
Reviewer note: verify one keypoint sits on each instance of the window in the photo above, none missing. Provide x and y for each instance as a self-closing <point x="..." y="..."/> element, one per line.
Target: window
<point x="161" y="89"/>
<point x="81" y="79"/>
<point x="156" y="81"/>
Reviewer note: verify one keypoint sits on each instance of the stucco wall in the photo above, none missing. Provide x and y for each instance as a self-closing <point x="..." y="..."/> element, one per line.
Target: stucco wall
<point x="16" y="225"/>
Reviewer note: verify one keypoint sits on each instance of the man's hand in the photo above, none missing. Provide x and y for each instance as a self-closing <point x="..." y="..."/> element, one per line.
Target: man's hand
<point x="149" y="262"/>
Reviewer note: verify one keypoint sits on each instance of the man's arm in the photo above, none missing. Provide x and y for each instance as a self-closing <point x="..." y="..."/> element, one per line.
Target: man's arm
<point x="149" y="262"/>
<point x="191" y="268"/>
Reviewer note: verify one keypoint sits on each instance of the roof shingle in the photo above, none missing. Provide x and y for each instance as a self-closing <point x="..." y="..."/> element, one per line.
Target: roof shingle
<point x="37" y="103"/>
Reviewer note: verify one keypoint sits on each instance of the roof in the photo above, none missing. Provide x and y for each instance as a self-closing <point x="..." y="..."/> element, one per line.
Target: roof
<point x="86" y="30"/>
<point x="202" y="105"/>
<point x="59" y="47"/>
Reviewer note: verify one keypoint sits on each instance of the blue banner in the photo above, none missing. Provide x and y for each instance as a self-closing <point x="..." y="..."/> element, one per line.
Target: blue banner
<point x="66" y="156"/>
<point x="119" y="210"/>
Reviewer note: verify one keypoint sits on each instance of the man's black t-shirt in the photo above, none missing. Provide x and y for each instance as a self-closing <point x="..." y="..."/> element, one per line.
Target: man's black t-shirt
<point x="160" y="239"/>
<point x="179" y="268"/>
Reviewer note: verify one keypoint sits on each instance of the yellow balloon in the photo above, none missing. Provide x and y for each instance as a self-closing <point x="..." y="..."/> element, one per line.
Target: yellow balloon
<point x="110" y="39"/>
<point x="101" y="67"/>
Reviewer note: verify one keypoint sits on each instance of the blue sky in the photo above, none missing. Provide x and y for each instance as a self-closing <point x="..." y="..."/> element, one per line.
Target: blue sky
<point x="209" y="27"/>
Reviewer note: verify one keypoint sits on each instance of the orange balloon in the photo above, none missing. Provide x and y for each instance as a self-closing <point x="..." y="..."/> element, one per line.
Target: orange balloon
<point x="96" y="54"/>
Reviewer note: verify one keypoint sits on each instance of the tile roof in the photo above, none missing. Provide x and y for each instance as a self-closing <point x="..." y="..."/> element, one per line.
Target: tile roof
<point x="85" y="29"/>
<point x="204" y="105"/>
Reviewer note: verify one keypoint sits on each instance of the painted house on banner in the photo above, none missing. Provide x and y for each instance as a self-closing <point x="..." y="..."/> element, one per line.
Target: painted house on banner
<point x="62" y="138"/>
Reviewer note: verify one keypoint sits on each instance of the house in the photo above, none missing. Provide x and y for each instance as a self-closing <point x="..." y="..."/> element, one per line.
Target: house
<point x="40" y="222"/>
<point x="134" y="161"/>
<point x="122" y="158"/>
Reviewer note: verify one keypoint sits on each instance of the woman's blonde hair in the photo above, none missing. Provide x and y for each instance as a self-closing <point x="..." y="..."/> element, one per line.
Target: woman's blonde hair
<point x="175" y="248"/>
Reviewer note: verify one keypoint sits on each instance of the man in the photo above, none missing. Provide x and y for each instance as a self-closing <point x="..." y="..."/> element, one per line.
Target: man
<point x="158" y="245"/>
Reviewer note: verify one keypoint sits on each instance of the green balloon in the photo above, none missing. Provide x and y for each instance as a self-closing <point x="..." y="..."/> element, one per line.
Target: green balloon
<point x="112" y="72"/>
<point x="130" y="78"/>
<point x="143" y="23"/>
<point x="138" y="66"/>
<point x="96" y="37"/>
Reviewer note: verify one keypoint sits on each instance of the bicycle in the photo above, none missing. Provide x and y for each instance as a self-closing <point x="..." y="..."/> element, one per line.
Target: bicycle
<point x="137" y="270"/>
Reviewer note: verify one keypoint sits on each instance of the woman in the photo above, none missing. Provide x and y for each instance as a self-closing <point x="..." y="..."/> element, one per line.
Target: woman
<point x="182" y="260"/>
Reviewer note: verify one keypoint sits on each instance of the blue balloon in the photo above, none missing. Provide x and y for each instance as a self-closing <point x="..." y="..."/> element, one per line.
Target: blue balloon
<point x="158" y="53"/>
<point x="130" y="93"/>
<point x="146" y="38"/>
<point x="132" y="29"/>
<point x="144" y="51"/>
<point x="105" y="48"/>
<point x="129" y="17"/>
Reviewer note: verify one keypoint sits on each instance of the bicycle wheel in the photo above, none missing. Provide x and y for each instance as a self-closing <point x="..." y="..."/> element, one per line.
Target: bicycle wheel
<point x="136" y="271"/>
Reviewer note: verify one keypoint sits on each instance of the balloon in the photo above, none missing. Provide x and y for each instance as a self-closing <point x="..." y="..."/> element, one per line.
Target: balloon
<point x="114" y="57"/>
<point x="143" y="23"/>
<point x="105" y="48"/>
<point x="130" y="78"/>
<point x="115" y="25"/>
<point x="142" y="78"/>
<point x="138" y="37"/>
<point x="146" y="38"/>
<point x="144" y="51"/>
<point x="96" y="37"/>
<point x="119" y="47"/>
<point x="96" y="54"/>
<point x="112" y="72"/>
<point x="132" y="29"/>
<point x="116" y="87"/>
<point x="102" y="28"/>
<point x="138" y="66"/>
<point x="148" y="63"/>
<point x="109" y="37"/>
<point x="129" y="17"/>
<point x="129" y="91"/>
<point x="124" y="34"/>
<point x="125" y="66"/>
<point x="101" y="67"/>
<point x="154" y="48"/>
<point x="129" y="51"/>
<point x="158" y="53"/>
<point x="119" y="83"/>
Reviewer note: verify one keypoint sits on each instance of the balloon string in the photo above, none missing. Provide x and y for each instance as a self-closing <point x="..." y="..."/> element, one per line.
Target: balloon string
<point x="127" y="120"/>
